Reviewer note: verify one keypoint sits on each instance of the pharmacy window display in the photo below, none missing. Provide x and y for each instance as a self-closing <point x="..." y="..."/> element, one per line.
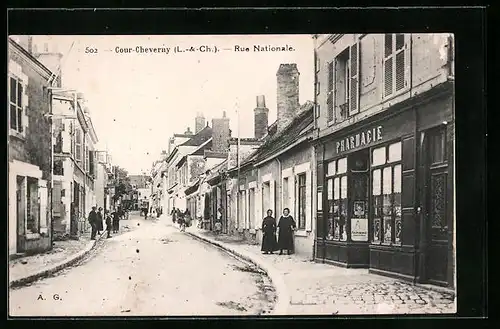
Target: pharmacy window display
<point x="337" y="200"/>
<point x="386" y="194"/>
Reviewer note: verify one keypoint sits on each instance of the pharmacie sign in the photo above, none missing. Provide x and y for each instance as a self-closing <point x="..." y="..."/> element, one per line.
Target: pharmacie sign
<point x="359" y="140"/>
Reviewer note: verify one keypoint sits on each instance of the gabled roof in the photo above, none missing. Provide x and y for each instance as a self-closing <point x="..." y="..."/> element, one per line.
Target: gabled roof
<point x="199" y="138"/>
<point x="300" y="126"/>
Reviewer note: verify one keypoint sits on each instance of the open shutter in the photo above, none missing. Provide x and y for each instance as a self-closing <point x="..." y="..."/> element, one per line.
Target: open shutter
<point x="309" y="201"/>
<point x="407" y="59"/>
<point x="25" y="105"/>
<point x="330" y="93"/>
<point x="272" y="197"/>
<point x="258" y="206"/>
<point x="42" y="197"/>
<point x="388" y="65"/>
<point x="354" y="83"/>
<point x="246" y="210"/>
<point x="294" y="203"/>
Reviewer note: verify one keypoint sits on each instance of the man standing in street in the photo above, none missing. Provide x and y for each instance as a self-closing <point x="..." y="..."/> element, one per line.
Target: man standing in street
<point x="100" y="227"/>
<point x="93" y="223"/>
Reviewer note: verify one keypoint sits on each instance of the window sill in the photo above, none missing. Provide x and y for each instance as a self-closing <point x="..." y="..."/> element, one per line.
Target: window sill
<point x="32" y="236"/>
<point x="17" y="134"/>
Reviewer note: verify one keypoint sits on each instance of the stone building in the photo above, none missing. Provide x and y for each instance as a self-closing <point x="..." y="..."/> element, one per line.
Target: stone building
<point x="29" y="152"/>
<point x="385" y="154"/>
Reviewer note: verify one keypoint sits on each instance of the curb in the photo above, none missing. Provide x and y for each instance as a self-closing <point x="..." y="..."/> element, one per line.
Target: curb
<point x="56" y="268"/>
<point x="283" y="298"/>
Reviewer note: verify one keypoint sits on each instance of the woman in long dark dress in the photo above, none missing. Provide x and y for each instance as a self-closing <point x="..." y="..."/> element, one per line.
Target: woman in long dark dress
<point x="269" y="230"/>
<point x="286" y="226"/>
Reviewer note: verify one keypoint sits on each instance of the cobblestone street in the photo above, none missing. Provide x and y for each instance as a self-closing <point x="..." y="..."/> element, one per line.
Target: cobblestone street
<point x="152" y="270"/>
<point x="326" y="289"/>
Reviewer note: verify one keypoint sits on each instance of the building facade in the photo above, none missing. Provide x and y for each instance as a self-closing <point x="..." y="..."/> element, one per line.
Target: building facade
<point x="75" y="162"/>
<point x="384" y="147"/>
<point x="29" y="152"/>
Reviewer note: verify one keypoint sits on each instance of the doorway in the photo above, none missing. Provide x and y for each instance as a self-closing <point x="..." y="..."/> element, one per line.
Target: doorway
<point x="435" y="193"/>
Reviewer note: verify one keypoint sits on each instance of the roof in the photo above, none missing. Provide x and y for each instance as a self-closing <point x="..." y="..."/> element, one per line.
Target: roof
<point x="300" y="126"/>
<point x="199" y="138"/>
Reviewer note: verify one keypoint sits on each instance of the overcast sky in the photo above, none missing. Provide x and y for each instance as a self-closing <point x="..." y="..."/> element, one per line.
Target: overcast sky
<point x="137" y="101"/>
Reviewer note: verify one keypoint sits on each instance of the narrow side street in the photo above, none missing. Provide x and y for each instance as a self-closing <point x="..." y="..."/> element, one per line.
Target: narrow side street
<point x="153" y="270"/>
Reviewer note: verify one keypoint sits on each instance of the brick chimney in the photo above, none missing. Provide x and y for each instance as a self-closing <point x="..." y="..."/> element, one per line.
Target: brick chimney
<point x="199" y="122"/>
<point x="261" y="113"/>
<point x="288" y="94"/>
<point x="220" y="134"/>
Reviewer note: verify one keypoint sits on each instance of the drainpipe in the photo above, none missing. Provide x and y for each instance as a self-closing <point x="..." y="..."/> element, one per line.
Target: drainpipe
<point x="280" y="182"/>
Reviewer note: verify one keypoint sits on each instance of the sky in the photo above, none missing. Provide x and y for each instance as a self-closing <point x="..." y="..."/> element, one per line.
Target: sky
<point x="138" y="100"/>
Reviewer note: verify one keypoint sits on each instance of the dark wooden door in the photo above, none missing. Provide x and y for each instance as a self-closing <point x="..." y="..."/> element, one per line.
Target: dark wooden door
<point x="436" y="194"/>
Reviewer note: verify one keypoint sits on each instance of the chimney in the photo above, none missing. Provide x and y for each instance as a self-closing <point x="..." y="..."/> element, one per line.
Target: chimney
<point x="220" y="134"/>
<point x="261" y="113"/>
<point x="288" y="94"/>
<point x="188" y="131"/>
<point x="199" y="122"/>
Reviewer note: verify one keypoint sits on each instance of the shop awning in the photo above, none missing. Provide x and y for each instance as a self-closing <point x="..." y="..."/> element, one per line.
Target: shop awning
<point x="193" y="188"/>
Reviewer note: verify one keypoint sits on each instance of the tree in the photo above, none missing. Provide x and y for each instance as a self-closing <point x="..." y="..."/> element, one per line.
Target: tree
<point x="121" y="183"/>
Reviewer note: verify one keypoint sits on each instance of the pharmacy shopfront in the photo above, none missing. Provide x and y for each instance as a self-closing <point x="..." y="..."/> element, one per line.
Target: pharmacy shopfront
<point x="385" y="196"/>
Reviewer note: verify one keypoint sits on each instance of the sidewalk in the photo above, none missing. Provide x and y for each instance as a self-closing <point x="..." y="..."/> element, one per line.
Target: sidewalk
<point x="311" y="288"/>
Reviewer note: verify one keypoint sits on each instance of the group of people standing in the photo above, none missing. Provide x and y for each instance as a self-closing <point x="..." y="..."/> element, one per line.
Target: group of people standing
<point x="181" y="218"/>
<point x="285" y="228"/>
<point x="112" y="221"/>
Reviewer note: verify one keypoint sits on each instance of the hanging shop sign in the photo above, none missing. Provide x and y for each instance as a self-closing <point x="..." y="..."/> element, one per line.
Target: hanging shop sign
<point x="361" y="139"/>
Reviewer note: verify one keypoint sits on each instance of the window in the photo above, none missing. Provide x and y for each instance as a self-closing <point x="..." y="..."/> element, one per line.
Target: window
<point x="318" y="110"/>
<point x="16" y="104"/>
<point x="318" y="62"/>
<point x="32" y="207"/>
<point x="266" y="198"/>
<point x="386" y="192"/>
<point x="91" y="163"/>
<point x="438" y="146"/>
<point x="346" y="83"/>
<point x="394" y="63"/>
<point x="78" y="146"/>
<point x="318" y="88"/>
<point x="285" y="193"/>
<point x="337" y="200"/>
<point x="58" y="167"/>
<point x="87" y="160"/>
<point x="301" y="217"/>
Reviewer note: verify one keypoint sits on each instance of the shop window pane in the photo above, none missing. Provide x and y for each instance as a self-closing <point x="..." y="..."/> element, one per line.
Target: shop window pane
<point x="336" y="188"/>
<point x="343" y="187"/>
<point x="342" y="166"/>
<point x="376" y="182"/>
<point x="330" y="234"/>
<point x="397" y="179"/>
<point x="331" y="168"/>
<point x="376" y="230"/>
<point x="395" y="152"/>
<point x="387" y="181"/>
<point x="387" y="230"/>
<point x="330" y="189"/>
<point x="342" y="219"/>
<point x="378" y="156"/>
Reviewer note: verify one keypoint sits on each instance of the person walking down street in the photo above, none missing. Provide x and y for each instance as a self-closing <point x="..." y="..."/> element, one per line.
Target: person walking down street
<point x="269" y="244"/>
<point x="187" y="218"/>
<point x="181" y="220"/>
<point x="145" y="212"/>
<point x="93" y="223"/>
<point x="108" y="223"/>
<point x="100" y="227"/>
<point x="286" y="226"/>
<point x="115" y="217"/>
<point x="173" y="213"/>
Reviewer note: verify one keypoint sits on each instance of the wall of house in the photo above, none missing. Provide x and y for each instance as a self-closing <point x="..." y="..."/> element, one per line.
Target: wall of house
<point x="196" y="165"/>
<point x="426" y="61"/>
<point x="38" y="139"/>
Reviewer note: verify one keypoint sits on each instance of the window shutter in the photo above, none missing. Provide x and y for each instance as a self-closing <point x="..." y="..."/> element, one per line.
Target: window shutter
<point x="42" y="197"/>
<point x="309" y="201"/>
<point x="294" y="203"/>
<point x="258" y="207"/>
<point x="330" y="93"/>
<point x="25" y="104"/>
<point x="388" y="65"/>
<point x="354" y="83"/>
<point x="407" y="52"/>
<point x="272" y="197"/>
